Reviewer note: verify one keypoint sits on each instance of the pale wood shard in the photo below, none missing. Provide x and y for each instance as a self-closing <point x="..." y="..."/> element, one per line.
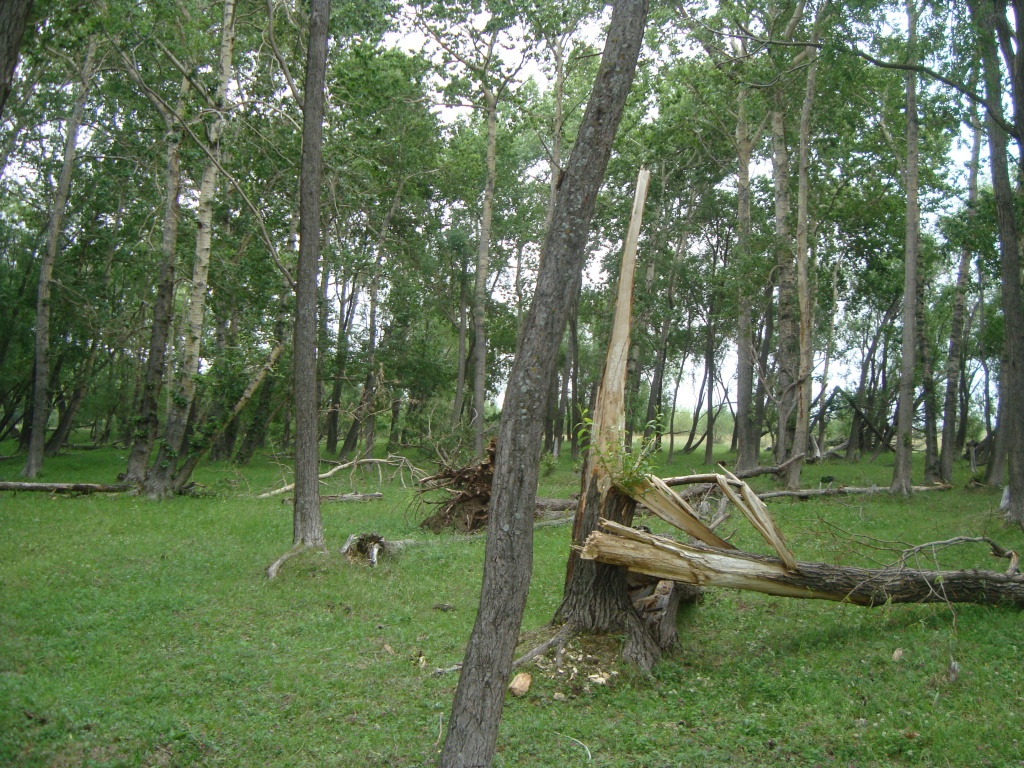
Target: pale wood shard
<point x="759" y="516"/>
<point x="520" y="684"/>
<point x="667" y="559"/>
<point x="670" y="507"/>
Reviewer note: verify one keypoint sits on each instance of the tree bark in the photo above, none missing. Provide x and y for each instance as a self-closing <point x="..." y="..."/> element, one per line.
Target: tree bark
<point x="802" y="393"/>
<point x="479" y="698"/>
<point x="160" y="479"/>
<point x="948" y="449"/>
<point x="54" y="231"/>
<point x="1011" y="380"/>
<point x="13" y="20"/>
<point x="901" y="480"/>
<point x="748" y="437"/>
<point x="788" y="313"/>
<point x="147" y="420"/>
<point x="307" y="526"/>
<point x="483" y="258"/>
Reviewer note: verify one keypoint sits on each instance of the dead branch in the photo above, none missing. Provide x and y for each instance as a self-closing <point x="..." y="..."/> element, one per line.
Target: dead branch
<point x="400" y="463"/>
<point x="997" y="550"/>
<point x="275" y="566"/>
<point x="775" y="470"/>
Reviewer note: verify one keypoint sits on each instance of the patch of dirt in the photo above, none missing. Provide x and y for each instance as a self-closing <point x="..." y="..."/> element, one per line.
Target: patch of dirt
<point x="584" y="663"/>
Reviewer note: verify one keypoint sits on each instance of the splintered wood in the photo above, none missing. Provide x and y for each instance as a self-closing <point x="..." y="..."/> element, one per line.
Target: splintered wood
<point x="711" y="564"/>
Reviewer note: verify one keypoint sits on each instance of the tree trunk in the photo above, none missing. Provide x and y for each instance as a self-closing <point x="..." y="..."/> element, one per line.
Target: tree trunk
<point x="346" y="315"/>
<point x="54" y="231"/>
<point x="748" y="437"/>
<point x="307" y="526"/>
<point x="147" y="420"/>
<point x="802" y="392"/>
<point x="1011" y="380"/>
<point x="931" y="416"/>
<point x="949" y="447"/>
<point x="160" y="479"/>
<point x="460" y="381"/>
<point x="901" y="480"/>
<point x="596" y="598"/>
<point x="13" y="19"/>
<point x="476" y="710"/>
<point x="788" y="313"/>
<point x="482" y="265"/>
<point x="709" y="369"/>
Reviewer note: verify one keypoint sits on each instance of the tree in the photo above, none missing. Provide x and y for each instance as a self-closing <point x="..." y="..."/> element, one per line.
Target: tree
<point x="901" y="480"/>
<point x="308" y="528"/>
<point x="54" y="233"/>
<point x="479" y="698"/>
<point x="13" y="20"/>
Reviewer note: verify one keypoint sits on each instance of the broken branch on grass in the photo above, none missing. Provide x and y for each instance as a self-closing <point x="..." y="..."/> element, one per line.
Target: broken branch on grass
<point x="275" y="566"/>
<point x="401" y="463"/>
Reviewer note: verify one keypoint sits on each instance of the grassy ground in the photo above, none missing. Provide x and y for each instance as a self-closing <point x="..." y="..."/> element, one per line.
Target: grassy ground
<point x="137" y="633"/>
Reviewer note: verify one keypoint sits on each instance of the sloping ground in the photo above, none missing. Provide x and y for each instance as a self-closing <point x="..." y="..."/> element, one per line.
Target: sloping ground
<point x="137" y="633"/>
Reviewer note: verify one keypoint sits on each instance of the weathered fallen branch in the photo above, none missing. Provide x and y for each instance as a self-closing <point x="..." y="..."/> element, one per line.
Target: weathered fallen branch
<point x="351" y="497"/>
<point x="774" y="470"/>
<point x="400" y="463"/>
<point x="298" y="549"/>
<point x="811" y="493"/>
<point x="667" y="559"/>
<point x="64" y="487"/>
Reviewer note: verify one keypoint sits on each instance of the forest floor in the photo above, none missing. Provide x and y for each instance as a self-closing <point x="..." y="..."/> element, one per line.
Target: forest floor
<point x="139" y="633"/>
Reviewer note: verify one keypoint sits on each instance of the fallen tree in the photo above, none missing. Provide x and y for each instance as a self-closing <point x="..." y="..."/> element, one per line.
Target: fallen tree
<point x="664" y="558"/>
<point x="64" y="487"/>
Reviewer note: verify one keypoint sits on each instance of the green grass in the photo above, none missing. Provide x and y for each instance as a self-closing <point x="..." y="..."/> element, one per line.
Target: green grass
<point x="137" y="633"/>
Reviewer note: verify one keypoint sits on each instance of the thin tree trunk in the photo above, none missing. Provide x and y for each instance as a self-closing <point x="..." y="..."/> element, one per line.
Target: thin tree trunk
<point x="949" y="447"/>
<point x="823" y="402"/>
<point x="479" y="698"/>
<point x="460" y="382"/>
<point x="788" y="313"/>
<point x="748" y="438"/>
<point x="147" y="420"/>
<point x="307" y="525"/>
<point x="901" y="474"/>
<point x="709" y="368"/>
<point x="160" y="479"/>
<point x="54" y="231"/>
<point x="802" y="393"/>
<point x="482" y="266"/>
<point x="930" y="402"/>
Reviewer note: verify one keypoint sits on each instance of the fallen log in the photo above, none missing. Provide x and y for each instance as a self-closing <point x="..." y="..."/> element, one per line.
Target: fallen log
<point x="665" y="558"/>
<point x="64" y="487"/>
<point x="811" y="493"/>
<point x="351" y="497"/>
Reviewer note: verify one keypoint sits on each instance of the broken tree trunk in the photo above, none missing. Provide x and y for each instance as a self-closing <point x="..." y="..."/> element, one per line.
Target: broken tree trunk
<point x="596" y="597"/>
<point x="667" y="559"/>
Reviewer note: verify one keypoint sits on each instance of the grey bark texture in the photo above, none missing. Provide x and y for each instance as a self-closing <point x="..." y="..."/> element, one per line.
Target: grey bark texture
<point x="13" y="20"/>
<point x="54" y="231"/>
<point x="307" y="525"/>
<point x="479" y="698"/>
<point x="901" y="481"/>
